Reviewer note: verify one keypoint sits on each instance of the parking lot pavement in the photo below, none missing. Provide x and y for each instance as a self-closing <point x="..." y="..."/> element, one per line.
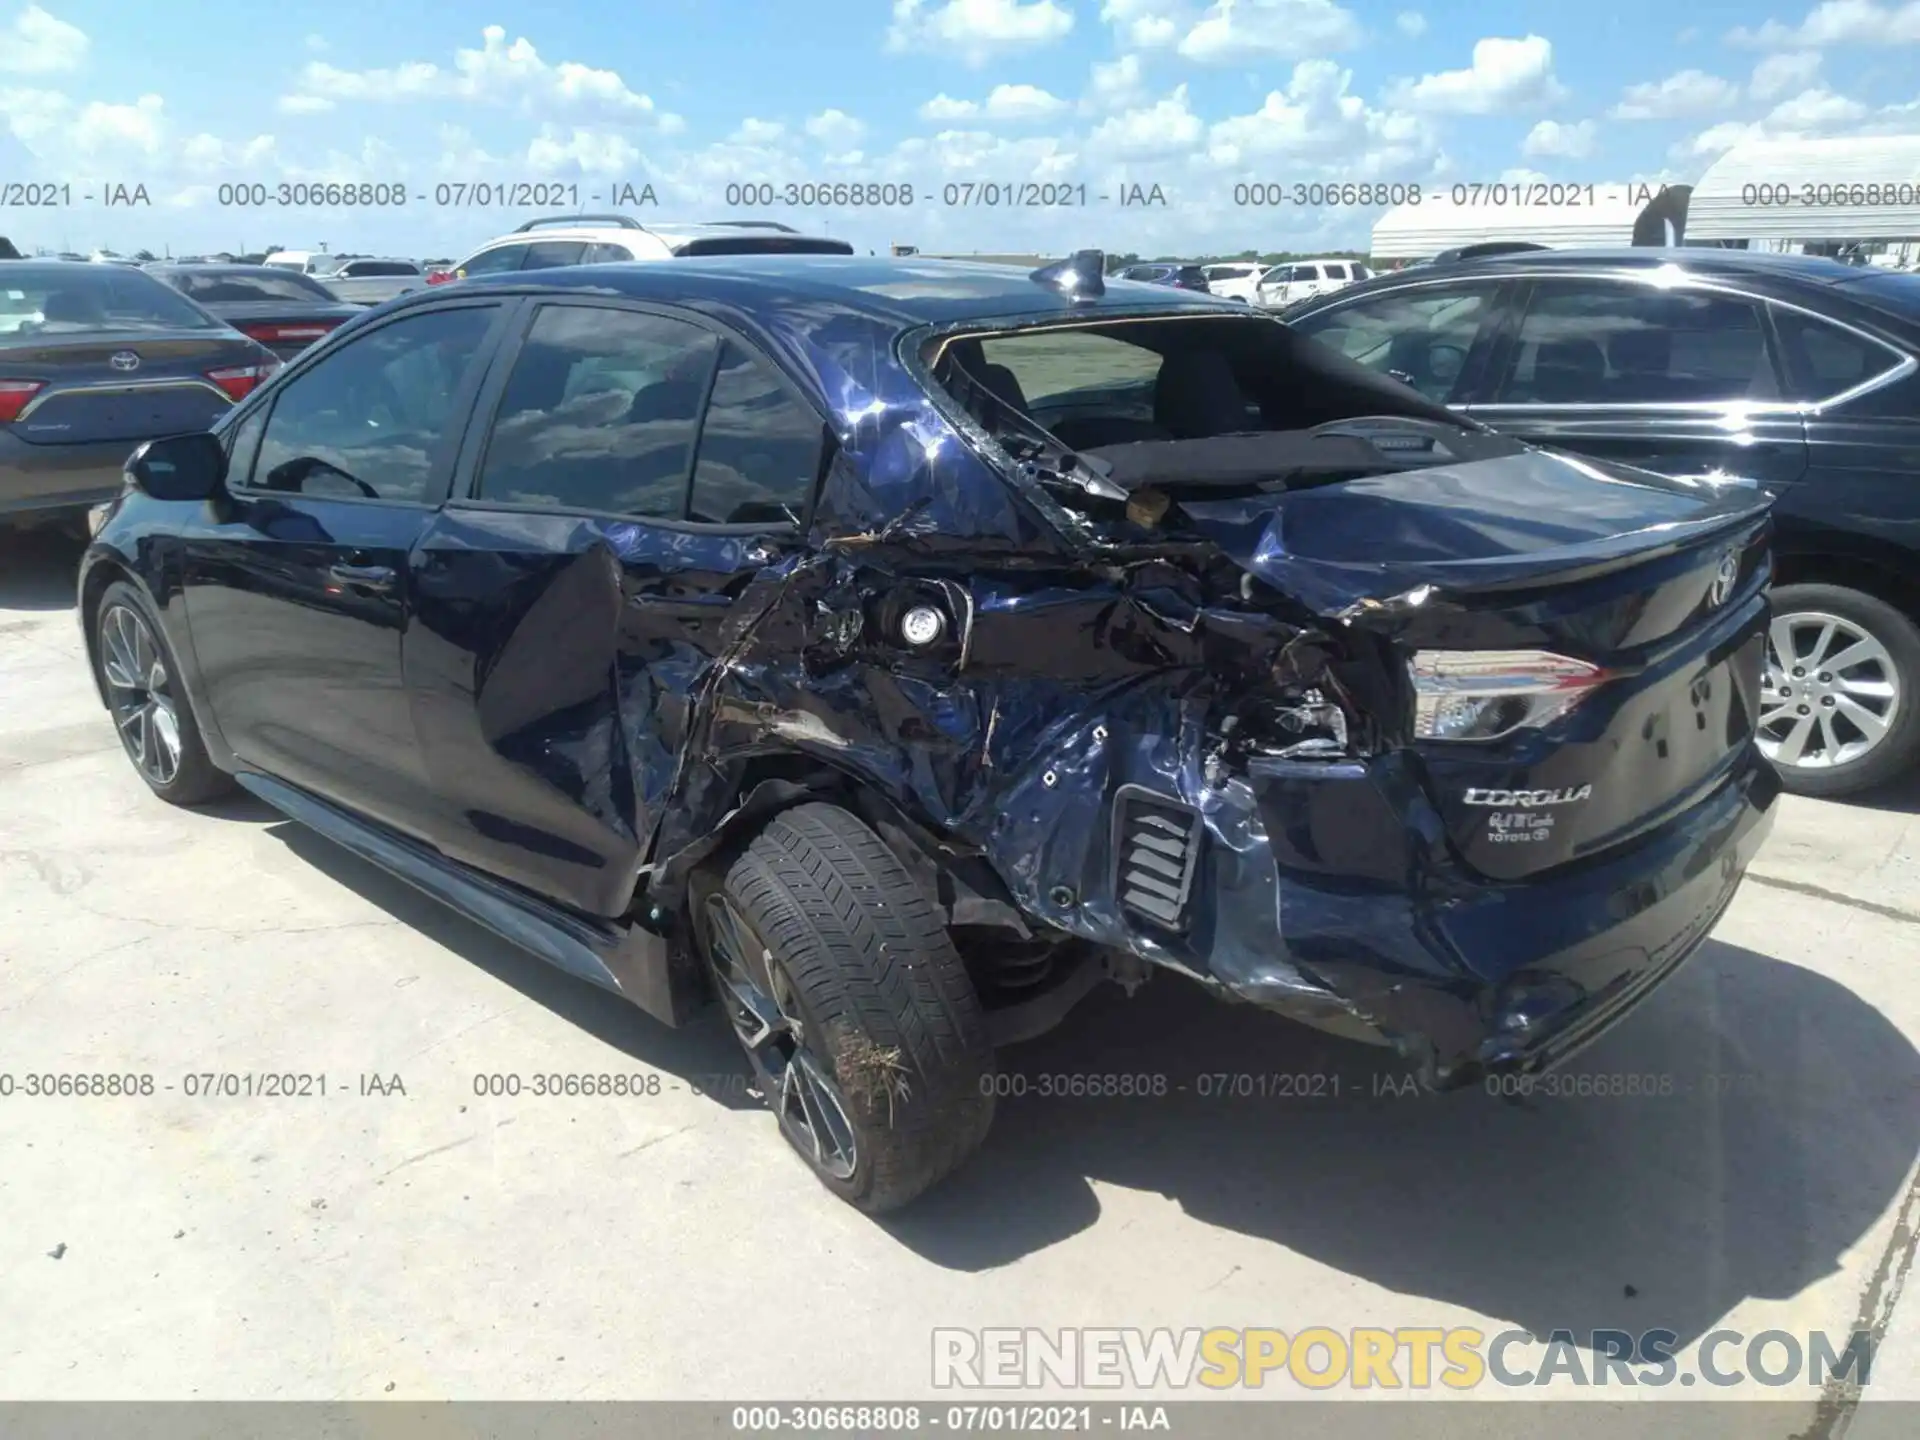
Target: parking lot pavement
<point x="404" y="1235"/>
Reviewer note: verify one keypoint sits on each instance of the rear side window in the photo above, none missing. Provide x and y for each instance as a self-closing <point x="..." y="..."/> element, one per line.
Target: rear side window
<point x="1335" y="272"/>
<point x="1823" y="360"/>
<point x="1306" y="272"/>
<point x="600" y="413"/>
<point x="607" y="255"/>
<point x="759" y="448"/>
<point x="1606" y="342"/>
<point x="551" y="254"/>
<point x="496" y="261"/>
<point x="1053" y="364"/>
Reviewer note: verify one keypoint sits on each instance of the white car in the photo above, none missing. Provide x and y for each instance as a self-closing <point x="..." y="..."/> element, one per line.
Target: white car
<point x="1239" y="280"/>
<point x="369" y="281"/>
<point x="612" y="239"/>
<point x="1297" y="279"/>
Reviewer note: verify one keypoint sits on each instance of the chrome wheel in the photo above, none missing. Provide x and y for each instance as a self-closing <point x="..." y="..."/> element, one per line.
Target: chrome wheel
<point x="1831" y="692"/>
<point x="138" y="693"/>
<point x="766" y="1018"/>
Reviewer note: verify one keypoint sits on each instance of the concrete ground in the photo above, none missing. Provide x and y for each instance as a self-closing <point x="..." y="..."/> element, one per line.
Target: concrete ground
<point x="441" y="1244"/>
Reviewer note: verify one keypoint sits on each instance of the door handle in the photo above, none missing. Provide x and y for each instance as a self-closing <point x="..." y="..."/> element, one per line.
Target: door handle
<point x="376" y="578"/>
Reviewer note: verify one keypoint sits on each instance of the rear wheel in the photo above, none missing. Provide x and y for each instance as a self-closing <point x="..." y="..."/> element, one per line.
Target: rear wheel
<point x="852" y="1004"/>
<point x="147" y="699"/>
<point x="1838" y="711"/>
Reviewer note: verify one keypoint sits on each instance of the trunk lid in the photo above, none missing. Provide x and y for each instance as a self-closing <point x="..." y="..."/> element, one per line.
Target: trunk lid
<point x="1659" y="584"/>
<point x="92" y="394"/>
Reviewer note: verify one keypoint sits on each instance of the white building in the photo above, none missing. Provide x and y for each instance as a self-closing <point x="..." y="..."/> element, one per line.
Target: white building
<point x="1858" y="191"/>
<point x="1414" y="232"/>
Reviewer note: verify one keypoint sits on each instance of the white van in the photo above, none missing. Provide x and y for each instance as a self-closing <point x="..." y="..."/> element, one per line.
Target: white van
<point x="305" y="261"/>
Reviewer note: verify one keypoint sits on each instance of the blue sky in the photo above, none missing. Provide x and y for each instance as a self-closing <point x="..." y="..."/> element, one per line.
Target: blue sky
<point x="690" y="95"/>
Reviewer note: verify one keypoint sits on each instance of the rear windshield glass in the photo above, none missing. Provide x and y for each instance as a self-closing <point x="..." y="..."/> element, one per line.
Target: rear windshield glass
<point x="241" y="287"/>
<point x="75" y="298"/>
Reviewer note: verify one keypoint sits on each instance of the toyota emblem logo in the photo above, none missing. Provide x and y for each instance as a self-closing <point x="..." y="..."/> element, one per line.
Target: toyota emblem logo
<point x="124" y="360"/>
<point x="1723" y="580"/>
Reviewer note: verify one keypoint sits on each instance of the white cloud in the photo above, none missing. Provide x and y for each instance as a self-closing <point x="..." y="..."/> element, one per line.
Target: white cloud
<point x="316" y="43"/>
<point x="1167" y="127"/>
<point x="1840" y="22"/>
<point x="209" y="154"/>
<point x="1239" y="30"/>
<point x="976" y="30"/>
<point x="1809" y="115"/>
<point x="1551" y="137"/>
<point x="835" y="127"/>
<point x="1115" y="83"/>
<point x="1689" y="92"/>
<point x="1316" y="120"/>
<point x="1813" y="110"/>
<point x="1504" y="74"/>
<point x="592" y="152"/>
<point x="1145" y="24"/>
<point x="37" y="43"/>
<point x="1777" y="74"/>
<point x="1410" y="23"/>
<point x="104" y="127"/>
<point x="305" y="104"/>
<point x="1004" y="102"/>
<point x="758" y="132"/>
<point x="498" y="73"/>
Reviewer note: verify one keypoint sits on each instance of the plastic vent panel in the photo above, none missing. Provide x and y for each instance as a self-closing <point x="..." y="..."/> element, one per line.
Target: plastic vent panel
<point x="1156" y="845"/>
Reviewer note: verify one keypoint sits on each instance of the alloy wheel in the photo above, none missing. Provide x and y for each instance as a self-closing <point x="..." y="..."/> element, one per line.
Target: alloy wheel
<point x="1831" y="692"/>
<point x="140" y="694"/>
<point x="766" y="1018"/>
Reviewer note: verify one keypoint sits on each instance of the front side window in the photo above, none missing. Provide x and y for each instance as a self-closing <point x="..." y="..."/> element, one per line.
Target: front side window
<point x="369" y="421"/>
<point x="1421" y="336"/>
<point x="599" y="413"/>
<point x="1618" y="343"/>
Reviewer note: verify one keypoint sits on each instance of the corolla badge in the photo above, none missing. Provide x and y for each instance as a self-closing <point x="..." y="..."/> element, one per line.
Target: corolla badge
<point x="1527" y="799"/>
<point x="124" y="360"/>
<point x="1724" y="578"/>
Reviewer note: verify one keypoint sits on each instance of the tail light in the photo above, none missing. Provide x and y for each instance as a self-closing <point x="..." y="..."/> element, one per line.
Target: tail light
<point x="14" y="395"/>
<point x="239" y="381"/>
<point x="289" y="334"/>
<point x="1485" y="694"/>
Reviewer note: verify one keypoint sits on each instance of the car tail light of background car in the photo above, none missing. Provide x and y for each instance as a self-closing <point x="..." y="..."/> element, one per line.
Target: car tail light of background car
<point x="289" y="334"/>
<point x="439" y="277"/>
<point x="14" y="395"/>
<point x="1485" y="694"/>
<point x="239" y="381"/>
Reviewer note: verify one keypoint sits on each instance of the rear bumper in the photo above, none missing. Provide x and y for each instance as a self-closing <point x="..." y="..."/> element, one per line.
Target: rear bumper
<point x="1330" y="892"/>
<point x="40" y="480"/>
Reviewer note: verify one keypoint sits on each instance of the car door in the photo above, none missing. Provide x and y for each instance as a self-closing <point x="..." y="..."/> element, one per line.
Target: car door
<point x="1436" y="336"/>
<point x="641" y="469"/>
<point x="296" y="594"/>
<point x="1681" y="379"/>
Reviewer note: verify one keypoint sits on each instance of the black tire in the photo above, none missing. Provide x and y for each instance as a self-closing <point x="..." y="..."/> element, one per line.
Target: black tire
<point x="194" y="779"/>
<point x="1899" y="748"/>
<point x="883" y="999"/>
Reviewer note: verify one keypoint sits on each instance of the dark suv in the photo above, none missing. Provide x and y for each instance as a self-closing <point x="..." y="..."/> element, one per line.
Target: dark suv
<point x="1793" y="374"/>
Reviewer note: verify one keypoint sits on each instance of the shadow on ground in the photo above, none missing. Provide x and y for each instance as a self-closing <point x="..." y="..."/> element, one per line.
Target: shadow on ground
<point x="1776" y="1125"/>
<point x="699" y="1053"/>
<point x="38" y="569"/>
<point x="1787" y="1126"/>
<point x="1897" y="797"/>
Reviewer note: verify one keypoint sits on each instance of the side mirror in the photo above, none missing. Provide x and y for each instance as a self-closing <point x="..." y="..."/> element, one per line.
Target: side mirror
<point x="179" y="467"/>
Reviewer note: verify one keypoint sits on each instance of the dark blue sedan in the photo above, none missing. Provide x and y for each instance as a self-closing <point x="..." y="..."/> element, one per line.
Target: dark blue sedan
<point x="891" y="650"/>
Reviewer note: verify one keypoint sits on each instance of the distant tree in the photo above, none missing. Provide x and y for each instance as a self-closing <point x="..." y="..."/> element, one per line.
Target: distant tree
<point x="7" y="252"/>
<point x="143" y="256"/>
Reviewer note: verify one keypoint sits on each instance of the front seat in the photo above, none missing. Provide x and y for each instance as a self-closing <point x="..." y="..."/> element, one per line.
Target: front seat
<point x="1003" y="383"/>
<point x="1198" y="395"/>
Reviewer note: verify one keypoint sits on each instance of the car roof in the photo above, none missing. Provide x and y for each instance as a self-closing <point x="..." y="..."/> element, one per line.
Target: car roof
<point x="668" y="233"/>
<point x="904" y="292"/>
